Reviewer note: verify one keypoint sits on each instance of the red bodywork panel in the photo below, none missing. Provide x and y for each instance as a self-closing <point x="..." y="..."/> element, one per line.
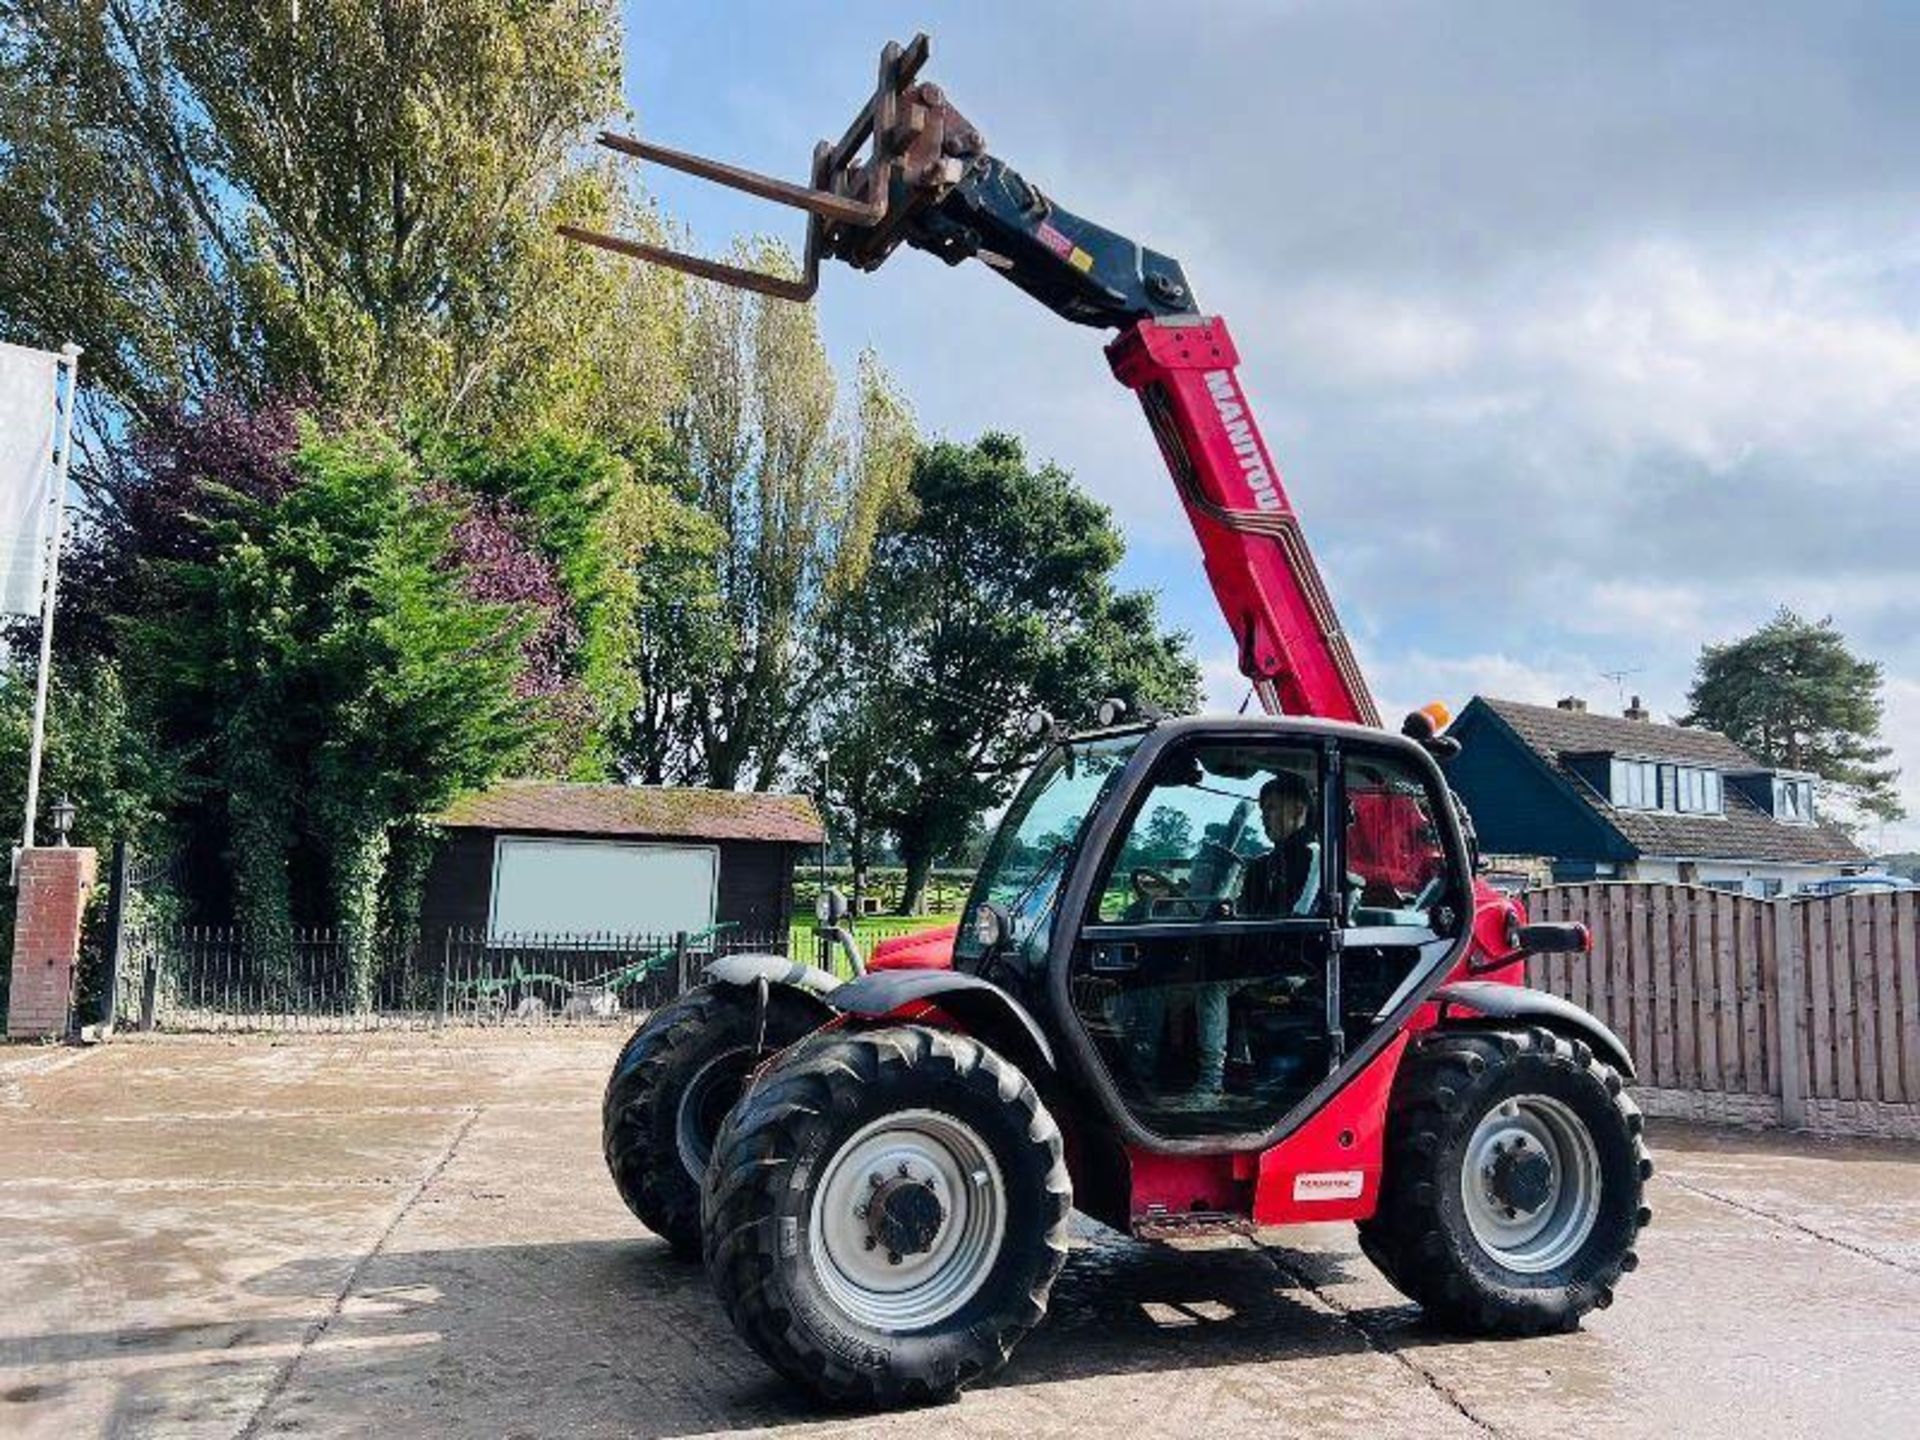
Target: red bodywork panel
<point x="923" y="950"/>
<point x="1328" y="1169"/>
<point x="1291" y="644"/>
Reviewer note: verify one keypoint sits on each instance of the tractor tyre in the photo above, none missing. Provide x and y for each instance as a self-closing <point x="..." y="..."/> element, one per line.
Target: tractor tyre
<point x="674" y="1082"/>
<point x="1513" y="1184"/>
<point x="885" y="1214"/>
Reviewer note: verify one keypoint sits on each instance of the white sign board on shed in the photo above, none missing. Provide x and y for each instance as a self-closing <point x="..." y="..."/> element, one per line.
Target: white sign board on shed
<point x="579" y="887"/>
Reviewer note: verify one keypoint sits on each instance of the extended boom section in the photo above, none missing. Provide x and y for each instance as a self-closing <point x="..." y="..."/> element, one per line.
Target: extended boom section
<point x="1292" y="648"/>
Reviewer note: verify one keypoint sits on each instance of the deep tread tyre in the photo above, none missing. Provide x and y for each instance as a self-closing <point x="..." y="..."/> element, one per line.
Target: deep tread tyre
<point x="1422" y="1238"/>
<point x="641" y="1114"/>
<point x="775" y="1162"/>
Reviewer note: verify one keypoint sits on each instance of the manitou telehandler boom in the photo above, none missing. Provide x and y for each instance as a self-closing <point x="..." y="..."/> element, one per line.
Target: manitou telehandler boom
<point x="1215" y="973"/>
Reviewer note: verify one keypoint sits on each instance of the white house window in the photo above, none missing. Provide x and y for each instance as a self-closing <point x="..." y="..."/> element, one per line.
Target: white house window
<point x="1636" y="784"/>
<point x="1696" y="792"/>
<point x="1793" y="801"/>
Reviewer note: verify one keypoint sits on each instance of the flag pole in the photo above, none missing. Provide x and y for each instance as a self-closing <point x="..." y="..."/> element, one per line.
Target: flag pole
<point x="70" y="358"/>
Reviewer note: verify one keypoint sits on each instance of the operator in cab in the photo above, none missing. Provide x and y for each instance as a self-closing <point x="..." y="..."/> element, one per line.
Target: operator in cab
<point x="1286" y="880"/>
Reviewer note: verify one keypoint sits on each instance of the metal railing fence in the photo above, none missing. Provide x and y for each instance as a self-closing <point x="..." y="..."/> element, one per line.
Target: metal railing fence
<point x="211" y="978"/>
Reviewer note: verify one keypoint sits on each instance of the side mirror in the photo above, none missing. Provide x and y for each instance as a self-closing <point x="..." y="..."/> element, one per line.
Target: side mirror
<point x="831" y="908"/>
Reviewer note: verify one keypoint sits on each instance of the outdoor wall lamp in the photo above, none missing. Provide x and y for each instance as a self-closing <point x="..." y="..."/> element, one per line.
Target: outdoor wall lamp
<point x="63" y="813"/>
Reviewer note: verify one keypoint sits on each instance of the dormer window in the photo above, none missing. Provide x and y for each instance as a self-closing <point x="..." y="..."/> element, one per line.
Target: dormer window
<point x="1792" y="800"/>
<point x="1653" y="785"/>
<point x="1635" y="784"/>
<point x="1694" y="791"/>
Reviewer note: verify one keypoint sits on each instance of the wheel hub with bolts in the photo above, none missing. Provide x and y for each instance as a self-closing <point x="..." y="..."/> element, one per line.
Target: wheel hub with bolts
<point x="905" y="1214"/>
<point x="907" y="1220"/>
<point x="1530" y="1183"/>
<point x="1520" y="1177"/>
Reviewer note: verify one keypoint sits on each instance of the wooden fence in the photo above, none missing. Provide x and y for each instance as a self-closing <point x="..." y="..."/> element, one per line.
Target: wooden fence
<point x="1802" y="1010"/>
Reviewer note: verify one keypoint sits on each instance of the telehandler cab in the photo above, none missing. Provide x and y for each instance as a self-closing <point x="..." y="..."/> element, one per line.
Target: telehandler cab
<point x="1216" y="973"/>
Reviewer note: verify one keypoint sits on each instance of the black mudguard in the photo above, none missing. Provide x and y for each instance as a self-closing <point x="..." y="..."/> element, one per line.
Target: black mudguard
<point x="775" y="970"/>
<point x="988" y="1012"/>
<point x="1491" y="1000"/>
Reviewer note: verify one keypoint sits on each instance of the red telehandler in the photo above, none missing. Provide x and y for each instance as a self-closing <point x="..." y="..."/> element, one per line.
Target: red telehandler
<point x="1216" y="973"/>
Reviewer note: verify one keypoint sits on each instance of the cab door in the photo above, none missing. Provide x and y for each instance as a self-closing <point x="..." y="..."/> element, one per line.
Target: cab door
<point x="1202" y="967"/>
<point x="1266" y="905"/>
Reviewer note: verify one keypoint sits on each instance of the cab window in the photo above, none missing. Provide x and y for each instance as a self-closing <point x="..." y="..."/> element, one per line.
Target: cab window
<point x="1201" y="970"/>
<point x="1225" y="833"/>
<point x="1396" y="865"/>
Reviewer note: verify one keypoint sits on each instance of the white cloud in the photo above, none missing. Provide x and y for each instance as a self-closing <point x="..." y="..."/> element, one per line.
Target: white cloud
<point x="1719" y="357"/>
<point x="1352" y="336"/>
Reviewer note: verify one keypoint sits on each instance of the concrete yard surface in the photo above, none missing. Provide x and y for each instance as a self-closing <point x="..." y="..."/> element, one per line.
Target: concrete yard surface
<point x="413" y="1234"/>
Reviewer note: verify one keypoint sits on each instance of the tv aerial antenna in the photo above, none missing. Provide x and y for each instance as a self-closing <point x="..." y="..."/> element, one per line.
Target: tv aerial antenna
<point x="1619" y="679"/>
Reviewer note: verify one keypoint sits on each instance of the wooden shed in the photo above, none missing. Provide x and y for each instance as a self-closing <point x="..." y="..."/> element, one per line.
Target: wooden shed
<point x="537" y="858"/>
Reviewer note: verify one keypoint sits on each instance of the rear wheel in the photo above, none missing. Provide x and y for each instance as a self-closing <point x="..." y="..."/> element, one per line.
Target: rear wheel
<point x="672" y="1086"/>
<point x="1514" y="1180"/>
<point x="886" y="1213"/>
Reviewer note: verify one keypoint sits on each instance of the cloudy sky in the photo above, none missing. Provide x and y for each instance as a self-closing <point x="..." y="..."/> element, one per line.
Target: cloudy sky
<point x="1585" y="334"/>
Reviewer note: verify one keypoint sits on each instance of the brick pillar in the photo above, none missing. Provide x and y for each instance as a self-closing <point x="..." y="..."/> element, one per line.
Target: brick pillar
<point x="54" y="885"/>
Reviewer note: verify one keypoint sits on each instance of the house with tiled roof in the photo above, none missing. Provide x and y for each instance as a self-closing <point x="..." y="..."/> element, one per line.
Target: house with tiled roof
<point x="1627" y="797"/>
<point x="531" y="858"/>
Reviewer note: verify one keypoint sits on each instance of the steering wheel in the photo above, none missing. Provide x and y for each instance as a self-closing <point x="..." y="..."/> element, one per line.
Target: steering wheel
<point x="1164" y="897"/>
<point x="1152" y="884"/>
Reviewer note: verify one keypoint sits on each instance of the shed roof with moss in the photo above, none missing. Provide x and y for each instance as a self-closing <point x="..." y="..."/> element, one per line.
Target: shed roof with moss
<point x="636" y="812"/>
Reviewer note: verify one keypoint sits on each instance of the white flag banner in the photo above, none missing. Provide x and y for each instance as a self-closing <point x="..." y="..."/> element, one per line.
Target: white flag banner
<point x="29" y="391"/>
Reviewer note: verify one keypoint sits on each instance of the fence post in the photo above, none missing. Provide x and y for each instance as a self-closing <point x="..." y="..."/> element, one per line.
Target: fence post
<point x="680" y="963"/>
<point x="116" y="930"/>
<point x="446" y="973"/>
<point x="1789" y="1005"/>
<point x="149" y="983"/>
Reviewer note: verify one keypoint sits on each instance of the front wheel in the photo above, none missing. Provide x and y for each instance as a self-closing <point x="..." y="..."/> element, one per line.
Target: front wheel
<point x="673" y="1084"/>
<point x="886" y="1213"/>
<point x="1514" y="1179"/>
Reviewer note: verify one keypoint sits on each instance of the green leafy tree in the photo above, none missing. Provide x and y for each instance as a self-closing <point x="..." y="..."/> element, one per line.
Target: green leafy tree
<point x="992" y="598"/>
<point x="1793" y="694"/>
<point x="353" y="684"/>
<point x="595" y="522"/>
<point x="794" y="493"/>
<point x="219" y="198"/>
<point x="682" y="636"/>
<point x="98" y="754"/>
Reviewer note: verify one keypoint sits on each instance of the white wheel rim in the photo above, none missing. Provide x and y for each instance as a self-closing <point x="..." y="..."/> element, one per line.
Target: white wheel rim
<point x="898" y="1291"/>
<point x="693" y="1142"/>
<point x="1531" y="1239"/>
